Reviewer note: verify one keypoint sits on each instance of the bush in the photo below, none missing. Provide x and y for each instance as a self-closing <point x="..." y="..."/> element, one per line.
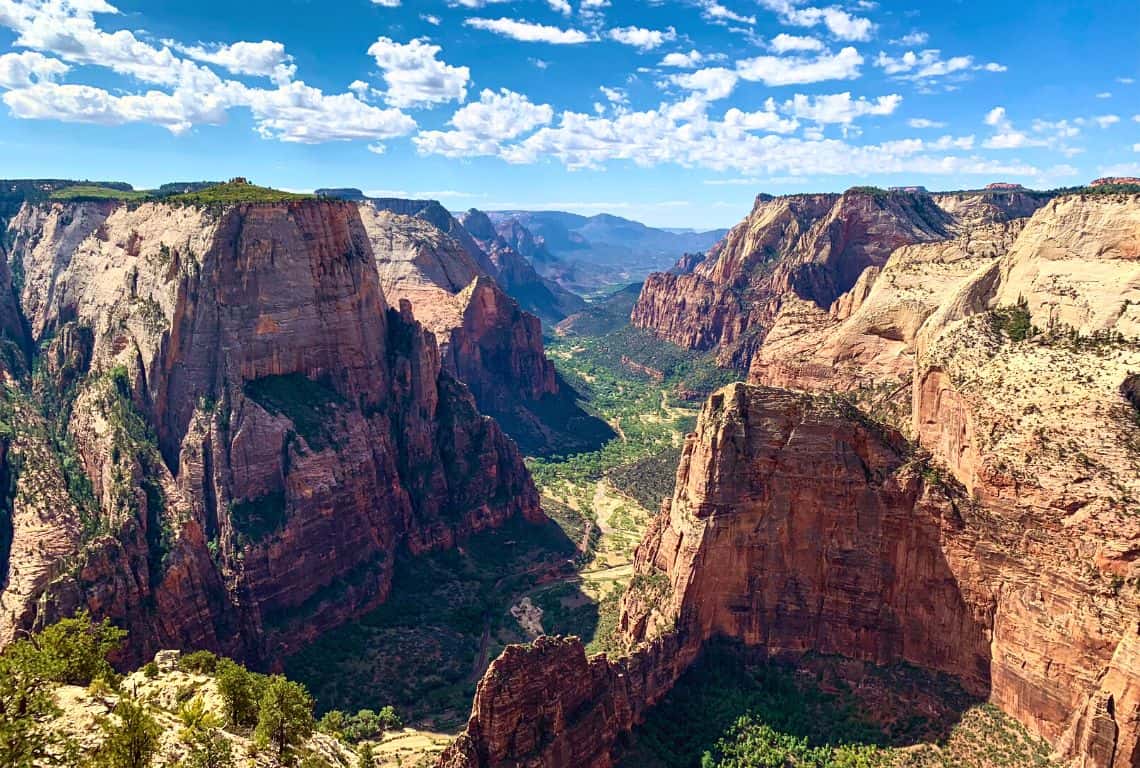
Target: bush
<point x="201" y="662"/>
<point x="242" y="691"/>
<point x="150" y="670"/>
<point x="74" y="651"/>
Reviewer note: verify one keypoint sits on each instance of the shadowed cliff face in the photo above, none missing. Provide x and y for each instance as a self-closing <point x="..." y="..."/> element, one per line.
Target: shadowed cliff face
<point x="258" y="431"/>
<point x="798" y="526"/>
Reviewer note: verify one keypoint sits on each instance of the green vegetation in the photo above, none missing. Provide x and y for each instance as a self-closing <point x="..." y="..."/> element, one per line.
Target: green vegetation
<point x="255" y="519"/>
<point x="285" y="715"/>
<point x="309" y="404"/>
<point x="81" y="193"/>
<point x="131" y="739"/>
<point x="364" y="725"/>
<point x="424" y="650"/>
<point x="1014" y="321"/>
<point x="735" y="711"/>
<point x="236" y="191"/>
<point x="73" y="651"/>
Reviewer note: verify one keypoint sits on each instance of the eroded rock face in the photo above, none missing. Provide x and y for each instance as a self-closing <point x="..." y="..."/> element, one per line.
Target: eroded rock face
<point x="1001" y="549"/>
<point x="516" y="273"/>
<point x="260" y="431"/>
<point x="811" y="247"/>
<point x="486" y="339"/>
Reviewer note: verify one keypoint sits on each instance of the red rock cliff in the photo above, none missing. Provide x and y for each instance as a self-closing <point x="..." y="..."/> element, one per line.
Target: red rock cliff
<point x="302" y="430"/>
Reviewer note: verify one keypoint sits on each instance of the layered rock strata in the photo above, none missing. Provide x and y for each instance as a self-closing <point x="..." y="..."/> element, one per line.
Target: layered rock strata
<point x="246" y="432"/>
<point x="1001" y="546"/>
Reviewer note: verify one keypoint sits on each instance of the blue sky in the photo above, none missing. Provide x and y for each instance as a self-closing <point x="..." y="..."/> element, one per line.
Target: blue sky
<point x="675" y="112"/>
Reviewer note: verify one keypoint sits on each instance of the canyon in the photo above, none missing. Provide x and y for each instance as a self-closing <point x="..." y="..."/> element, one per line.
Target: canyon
<point x="227" y="434"/>
<point x="982" y="524"/>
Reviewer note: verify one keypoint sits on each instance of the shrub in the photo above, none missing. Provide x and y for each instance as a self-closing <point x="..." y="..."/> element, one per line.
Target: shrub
<point x="74" y="651"/>
<point x="150" y="670"/>
<point x="201" y="662"/>
<point x="131" y="740"/>
<point x="241" y="690"/>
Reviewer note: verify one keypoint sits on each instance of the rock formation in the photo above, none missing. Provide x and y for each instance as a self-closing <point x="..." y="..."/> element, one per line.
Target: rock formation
<point x="811" y="247"/>
<point x="517" y="274"/>
<point x="486" y="340"/>
<point x="230" y="434"/>
<point x="1000" y="545"/>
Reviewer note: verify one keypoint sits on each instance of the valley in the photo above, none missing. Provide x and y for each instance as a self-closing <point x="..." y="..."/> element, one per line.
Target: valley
<point x="858" y="487"/>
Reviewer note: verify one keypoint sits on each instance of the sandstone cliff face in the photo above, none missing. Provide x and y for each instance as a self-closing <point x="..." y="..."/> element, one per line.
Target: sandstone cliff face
<point x="1002" y="549"/>
<point x="516" y="274"/>
<point x="486" y="340"/>
<point x="812" y="247"/>
<point x="259" y="430"/>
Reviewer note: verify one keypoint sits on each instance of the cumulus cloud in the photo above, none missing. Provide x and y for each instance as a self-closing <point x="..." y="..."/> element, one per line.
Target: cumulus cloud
<point x="642" y="39"/>
<point x="922" y="122"/>
<point x="481" y="127"/>
<point x="839" y="107"/>
<point x="415" y="76"/>
<point x="928" y="65"/>
<point x="798" y="70"/>
<point x="529" y="32"/>
<point x="784" y="43"/>
<point x="837" y="21"/>
<point x="264" y="59"/>
<point x="182" y="91"/>
<point x="19" y="70"/>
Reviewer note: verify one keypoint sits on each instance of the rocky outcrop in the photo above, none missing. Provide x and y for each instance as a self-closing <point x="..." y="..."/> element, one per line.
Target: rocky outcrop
<point x="814" y="248"/>
<point x="486" y="340"/>
<point x="259" y="431"/>
<point x="516" y="274"/>
<point x="1000" y="546"/>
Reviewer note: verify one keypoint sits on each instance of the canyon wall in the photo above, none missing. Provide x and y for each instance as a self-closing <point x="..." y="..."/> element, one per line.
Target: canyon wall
<point x="241" y="433"/>
<point x="486" y="339"/>
<point x="811" y="247"/>
<point x="998" y="545"/>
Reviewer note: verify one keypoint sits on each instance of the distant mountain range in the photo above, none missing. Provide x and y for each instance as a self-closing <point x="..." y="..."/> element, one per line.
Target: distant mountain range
<point x="593" y="252"/>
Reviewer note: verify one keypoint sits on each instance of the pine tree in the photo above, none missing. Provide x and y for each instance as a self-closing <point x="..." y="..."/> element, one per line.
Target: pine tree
<point x="285" y="715"/>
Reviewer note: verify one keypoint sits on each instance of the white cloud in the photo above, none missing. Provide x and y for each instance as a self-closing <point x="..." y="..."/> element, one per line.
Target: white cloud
<point x="912" y="39"/>
<point x="712" y="83"/>
<point x="642" y="39"/>
<point x="922" y="122"/>
<point x="481" y="127"/>
<point x="715" y="12"/>
<point x="19" y="70"/>
<point x="777" y="70"/>
<point x="1136" y="147"/>
<point x="838" y="22"/>
<point x="614" y="95"/>
<point x="690" y="60"/>
<point x="387" y="3"/>
<point x="1045" y="133"/>
<point x="264" y="59"/>
<point x="839" y="107"/>
<point x="414" y="76"/>
<point x="784" y="43"/>
<point x="529" y="32"/>
<point x="187" y="93"/>
<point x="432" y="19"/>
<point x="1104" y="95"/>
<point x="925" y="65"/>
<point x="562" y="6"/>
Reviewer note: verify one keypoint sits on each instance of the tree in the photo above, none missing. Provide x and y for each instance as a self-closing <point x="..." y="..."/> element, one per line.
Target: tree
<point x="131" y="740"/>
<point x="25" y="698"/>
<point x="241" y="690"/>
<point x="75" y="650"/>
<point x="208" y="748"/>
<point x="365" y="757"/>
<point x="285" y="715"/>
<point x="333" y="723"/>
